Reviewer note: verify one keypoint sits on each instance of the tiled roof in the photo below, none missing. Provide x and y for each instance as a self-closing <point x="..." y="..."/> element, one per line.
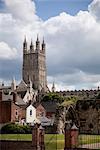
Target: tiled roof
<point x="22" y="86"/>
<point x="19" y="101"/>
<point x="21" y="93"/>
<point x="50" y="106"/>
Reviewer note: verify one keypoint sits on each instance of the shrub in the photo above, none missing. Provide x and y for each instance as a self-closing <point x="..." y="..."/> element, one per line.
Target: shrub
<point x="15" y="128"/>
<point x="50" y="129"/>
<point x="27" y="129"/>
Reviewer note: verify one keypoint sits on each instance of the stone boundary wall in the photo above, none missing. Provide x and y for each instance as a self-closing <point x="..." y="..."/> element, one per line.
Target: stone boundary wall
<point x="15" y="145"/>
<point x="24" y="145"/>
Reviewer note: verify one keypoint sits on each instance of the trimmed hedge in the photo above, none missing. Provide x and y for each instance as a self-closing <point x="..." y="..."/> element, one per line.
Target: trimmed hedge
<point x="16" y="128"/>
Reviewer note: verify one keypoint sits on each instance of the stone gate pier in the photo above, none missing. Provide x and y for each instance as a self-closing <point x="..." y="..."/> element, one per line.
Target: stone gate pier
<point x="71" y="136"/>
<point x="38" y="137"/>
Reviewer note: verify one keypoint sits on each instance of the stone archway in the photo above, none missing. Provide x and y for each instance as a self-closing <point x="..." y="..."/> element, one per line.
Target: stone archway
<point x="66" y="114"/>
<point x="71" y="128"/>
<point x="71" y="115"/>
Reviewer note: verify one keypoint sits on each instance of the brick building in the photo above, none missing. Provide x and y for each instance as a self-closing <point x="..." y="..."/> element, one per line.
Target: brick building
<point x="10" y="111"/>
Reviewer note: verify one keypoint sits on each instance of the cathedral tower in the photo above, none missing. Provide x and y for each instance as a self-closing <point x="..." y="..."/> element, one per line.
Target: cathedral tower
<point x="34" y="65"/>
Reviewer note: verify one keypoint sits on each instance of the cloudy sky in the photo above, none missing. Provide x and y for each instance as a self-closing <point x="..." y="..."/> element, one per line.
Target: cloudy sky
<point x="72" y="34"/>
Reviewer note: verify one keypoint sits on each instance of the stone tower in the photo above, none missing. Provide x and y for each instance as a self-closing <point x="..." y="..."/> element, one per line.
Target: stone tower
<point x="34" y="65"/>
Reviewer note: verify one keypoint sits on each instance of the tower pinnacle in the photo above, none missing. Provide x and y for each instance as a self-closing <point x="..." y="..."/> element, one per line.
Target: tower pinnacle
<point x="13" y="84"/>
<point x="37" y="38"/>
<point x="25" y="39"/>
<point x="31" y="46"/>
<point x="37" y="44"/>
<point x="25" y="45"/>
<point x="43" y="45"/>
<point x="53" y="87"/>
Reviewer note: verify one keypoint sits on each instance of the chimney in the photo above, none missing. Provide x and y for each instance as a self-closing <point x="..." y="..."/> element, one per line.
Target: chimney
<point x="0" y="95"/>
<point x="14" y="97"/>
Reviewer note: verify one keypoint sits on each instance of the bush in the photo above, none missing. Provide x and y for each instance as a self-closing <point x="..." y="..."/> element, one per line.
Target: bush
<point x="27" y="129"/>
<point x="15" y="128"/>
<point x="50" y="129"/>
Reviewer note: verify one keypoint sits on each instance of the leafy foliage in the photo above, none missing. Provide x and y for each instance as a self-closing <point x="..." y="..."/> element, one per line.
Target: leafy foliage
<point x="15" y="128"/>
<point x="98" y="97"/>
<point x="53" y="97"/>
<point x="71" y="100"/>
<point x="86" y="104"/>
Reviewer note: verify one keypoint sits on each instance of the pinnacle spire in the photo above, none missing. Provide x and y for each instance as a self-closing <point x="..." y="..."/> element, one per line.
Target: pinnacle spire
<point x="37" y="38"/>
<point x="31" y="46"/>
<point x="25" y="44"/>
<point x="43" y="45"/>
<point x="31" y="42"/>
<point x="37" y="44"/>
<point x="53" y="87"/>
<point x="13" y="79"/>
<point x="25" y="39"/>
<point x="43" y="39"/>
<point x="13" y="84"/>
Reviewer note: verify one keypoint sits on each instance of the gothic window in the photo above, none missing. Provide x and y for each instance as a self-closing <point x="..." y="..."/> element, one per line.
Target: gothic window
<point x="30" y="112"/>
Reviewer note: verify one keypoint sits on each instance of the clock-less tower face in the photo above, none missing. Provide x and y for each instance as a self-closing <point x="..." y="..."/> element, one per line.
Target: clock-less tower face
<point x="34" y="65"/>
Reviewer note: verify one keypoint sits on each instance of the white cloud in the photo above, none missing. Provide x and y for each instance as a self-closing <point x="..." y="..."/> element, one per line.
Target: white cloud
<point x="19" y="20"/>
<point x="94" y="9"/>
<point x="22" y="10"/>
<point x="6" y="52"/>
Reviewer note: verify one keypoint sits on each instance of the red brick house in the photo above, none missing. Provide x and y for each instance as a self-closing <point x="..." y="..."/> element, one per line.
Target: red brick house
<point x="50" y="107"/>
<point x="10" y="111"/>
<point x="40" y="110"/>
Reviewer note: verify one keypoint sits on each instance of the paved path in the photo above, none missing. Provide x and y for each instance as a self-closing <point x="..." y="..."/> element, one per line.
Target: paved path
<point x="91" y="146"/>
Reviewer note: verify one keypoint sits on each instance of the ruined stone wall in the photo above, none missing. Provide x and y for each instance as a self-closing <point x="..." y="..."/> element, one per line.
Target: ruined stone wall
<point x="89" y="122"/>
<point x="89" y="116"/>
<point x="81" y="94"/>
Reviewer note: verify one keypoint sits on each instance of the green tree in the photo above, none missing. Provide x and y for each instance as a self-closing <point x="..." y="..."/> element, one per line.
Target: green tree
<point x="53" y="97"/>
<point x="71" y="100"/>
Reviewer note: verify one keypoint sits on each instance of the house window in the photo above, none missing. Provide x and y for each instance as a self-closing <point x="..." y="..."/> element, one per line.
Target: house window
<point x="30" y="112"/>
<point x="16" y="113"/>
<point x="42" y="114"/>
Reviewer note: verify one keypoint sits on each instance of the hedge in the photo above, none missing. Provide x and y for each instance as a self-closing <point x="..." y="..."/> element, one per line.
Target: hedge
<point x="16" y="128"/>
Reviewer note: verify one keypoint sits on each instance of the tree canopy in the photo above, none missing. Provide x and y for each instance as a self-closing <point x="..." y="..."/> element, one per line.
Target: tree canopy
<point x="61" y="100"/>
<point x="53" y="97"/>
<point x="71" y="100"/>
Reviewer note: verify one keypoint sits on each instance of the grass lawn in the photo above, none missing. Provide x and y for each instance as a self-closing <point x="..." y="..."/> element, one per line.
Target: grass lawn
<point x="23" y="137"/>
<point x="52" y="141"/>
<point x="89" y="139"/>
